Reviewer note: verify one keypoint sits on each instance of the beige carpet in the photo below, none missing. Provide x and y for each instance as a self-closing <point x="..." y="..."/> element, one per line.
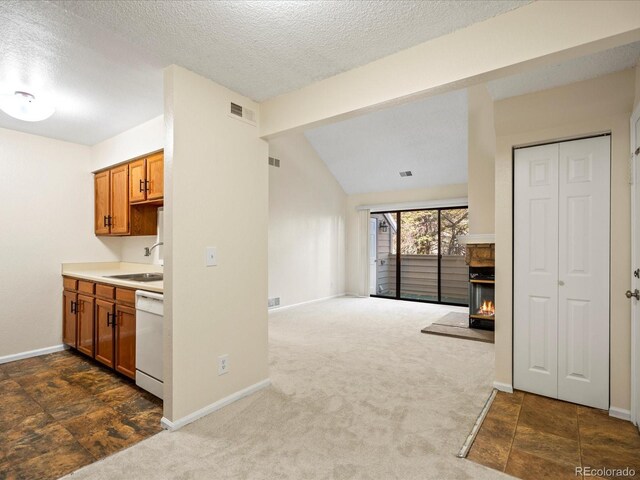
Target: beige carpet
<point x="358" y="393"/>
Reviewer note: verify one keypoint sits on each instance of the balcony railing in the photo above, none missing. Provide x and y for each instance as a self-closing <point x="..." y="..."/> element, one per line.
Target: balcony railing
<point x="419" y="277"/>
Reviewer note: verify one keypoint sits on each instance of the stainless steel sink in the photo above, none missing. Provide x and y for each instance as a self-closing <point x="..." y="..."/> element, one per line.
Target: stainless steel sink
<point x="138" y="277"/>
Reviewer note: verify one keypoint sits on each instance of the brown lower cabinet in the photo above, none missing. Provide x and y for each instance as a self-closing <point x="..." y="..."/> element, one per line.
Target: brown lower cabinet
<point x="69" y="318"/>
<point x="85" y="321"/>
<point x="105" y="346"/>
<point x="126" y="340"/>
<point x="100" y="321"/>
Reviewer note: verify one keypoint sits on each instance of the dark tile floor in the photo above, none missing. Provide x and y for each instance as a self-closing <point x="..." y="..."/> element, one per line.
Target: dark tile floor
<point x="62" y="411"/>
<point x="534" y="437"/>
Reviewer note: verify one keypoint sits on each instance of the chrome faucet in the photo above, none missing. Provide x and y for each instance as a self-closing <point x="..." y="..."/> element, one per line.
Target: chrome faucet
<point x="147" y="250"/>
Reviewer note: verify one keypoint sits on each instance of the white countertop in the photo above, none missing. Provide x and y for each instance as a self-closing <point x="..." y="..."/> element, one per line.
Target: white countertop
<point x="97" y="271"/>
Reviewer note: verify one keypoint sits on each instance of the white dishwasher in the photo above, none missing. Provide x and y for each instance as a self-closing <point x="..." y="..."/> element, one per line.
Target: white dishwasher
<point x="149" y="342"/>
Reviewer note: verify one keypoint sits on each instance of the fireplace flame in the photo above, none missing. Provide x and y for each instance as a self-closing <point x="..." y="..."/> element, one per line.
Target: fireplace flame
<point x="487" y="308"/>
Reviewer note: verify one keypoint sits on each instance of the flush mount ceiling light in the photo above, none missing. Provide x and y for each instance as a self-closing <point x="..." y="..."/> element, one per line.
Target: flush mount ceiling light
<point x="24" y="106"/>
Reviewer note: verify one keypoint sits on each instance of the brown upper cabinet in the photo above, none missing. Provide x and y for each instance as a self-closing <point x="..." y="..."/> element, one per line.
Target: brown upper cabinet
<point x="138" y="181"/>
<point x="102" y="188"/>
<point x="146" y="180"/>
<point x="127" y="196"/>
<point x="119" y="200"/>
<point x="112" y="201"/>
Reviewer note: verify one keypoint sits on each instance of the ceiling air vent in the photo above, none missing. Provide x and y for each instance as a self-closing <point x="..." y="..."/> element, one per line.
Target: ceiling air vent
<point x="242" y="113"/>
<point x="406" y="174"/>
<point x="274" y="162"/>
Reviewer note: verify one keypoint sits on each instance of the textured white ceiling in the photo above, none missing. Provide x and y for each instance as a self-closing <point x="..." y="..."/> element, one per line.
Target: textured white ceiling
<point x="101" y="61"/>
<point x="101" y="84"/>
<point x="265" y="48"/>
<point x="582" y="68"/>
<point x="365" y="154"/>
<point x="429" y="137"/>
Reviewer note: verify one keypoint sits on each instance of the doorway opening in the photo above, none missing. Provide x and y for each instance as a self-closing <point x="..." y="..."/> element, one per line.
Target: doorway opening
<point x="417" y="255"/>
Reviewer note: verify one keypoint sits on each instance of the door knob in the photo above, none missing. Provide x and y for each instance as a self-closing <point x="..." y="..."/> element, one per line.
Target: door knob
<point x="635" y="293"/>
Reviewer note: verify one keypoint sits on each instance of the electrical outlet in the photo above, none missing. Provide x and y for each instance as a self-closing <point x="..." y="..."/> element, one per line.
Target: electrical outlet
<point x="210" y="257"/>
<point x="223" y="364"/>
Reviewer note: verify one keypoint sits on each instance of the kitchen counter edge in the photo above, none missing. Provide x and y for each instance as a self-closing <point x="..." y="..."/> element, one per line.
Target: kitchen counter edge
<point x="98" y="276"/>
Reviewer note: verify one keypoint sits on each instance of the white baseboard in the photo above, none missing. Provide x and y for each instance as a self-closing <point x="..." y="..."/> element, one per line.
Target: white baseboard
<point x="284" y="307"/>
<point x="503" y="387"/>
<point x="169" y="425"/>
<point x="32" y="353"/>
<point x="620" y="413"/>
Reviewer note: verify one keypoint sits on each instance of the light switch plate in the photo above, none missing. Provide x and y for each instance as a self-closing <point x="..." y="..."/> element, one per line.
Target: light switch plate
<point x="210" y="257"/>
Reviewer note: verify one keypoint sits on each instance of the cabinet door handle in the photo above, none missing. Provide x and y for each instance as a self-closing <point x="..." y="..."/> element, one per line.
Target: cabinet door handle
<point x="109" y="319"/>
<point x="109" y="218"/>
<point x="105" y="222"/>
<point x="73" y="307"/>
<point x="635" y="294"/>
<point x="147" y="185"/>
<point x="142" y="185"/>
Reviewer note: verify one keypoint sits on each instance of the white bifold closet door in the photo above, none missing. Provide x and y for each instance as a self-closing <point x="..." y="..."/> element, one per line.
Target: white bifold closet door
<point x="561" y="270"/>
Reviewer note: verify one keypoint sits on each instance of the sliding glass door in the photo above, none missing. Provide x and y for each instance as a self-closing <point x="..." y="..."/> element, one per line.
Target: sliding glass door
<point x="385" y="255"/>
<point x="454" y="272"/>
<point x="419" y="256"/>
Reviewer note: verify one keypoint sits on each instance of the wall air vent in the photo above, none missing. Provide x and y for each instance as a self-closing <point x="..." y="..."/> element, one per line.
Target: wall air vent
<point x="242" y="113"/>
<point x="274" y="302"/>
<point x="236" y="109"/>
<point x="406" y="174"/>
<point x="274" y="162"/>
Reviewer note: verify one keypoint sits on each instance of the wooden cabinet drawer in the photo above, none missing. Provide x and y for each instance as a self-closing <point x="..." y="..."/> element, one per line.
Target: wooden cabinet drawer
<point x="69" y="283"/>
<point x="86" y="287"/>
<point x="124" y="295"/>
<point x="105" y="291"/>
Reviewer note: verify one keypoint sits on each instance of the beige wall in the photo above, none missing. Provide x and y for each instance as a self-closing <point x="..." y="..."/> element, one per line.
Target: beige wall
<point x="46" y="213"/>
<point x="583" y="108"/>
<point x="144" y="138"/>
<point x="216" y="195"/>
<point x="538" y="34"/>
<point x="386" y="198"/>
<point x="637" y="96"/>
<point x="481" y="161"/>
<point x="307" y="209"/>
